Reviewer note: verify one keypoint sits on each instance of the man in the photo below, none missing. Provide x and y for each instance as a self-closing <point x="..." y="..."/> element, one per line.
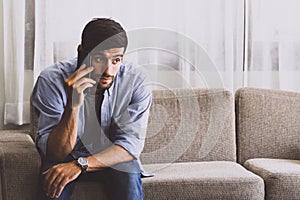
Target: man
<point x="93" y="114"/>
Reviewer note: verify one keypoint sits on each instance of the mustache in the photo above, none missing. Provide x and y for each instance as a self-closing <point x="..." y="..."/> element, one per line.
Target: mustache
<point x="98" y="76"/>
<point x="105" y="75"/>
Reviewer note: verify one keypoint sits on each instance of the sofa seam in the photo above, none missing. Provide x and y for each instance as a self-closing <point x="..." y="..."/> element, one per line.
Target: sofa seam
<point x="237" y="118"/>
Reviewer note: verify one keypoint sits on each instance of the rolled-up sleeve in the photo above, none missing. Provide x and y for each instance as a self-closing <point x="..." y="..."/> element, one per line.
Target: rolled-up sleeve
<point x="48" y="104"/>
<point x="132" y="122"/>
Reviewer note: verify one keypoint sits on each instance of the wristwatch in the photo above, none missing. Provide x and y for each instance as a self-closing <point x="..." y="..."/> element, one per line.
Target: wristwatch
<point x="82" y="162"/>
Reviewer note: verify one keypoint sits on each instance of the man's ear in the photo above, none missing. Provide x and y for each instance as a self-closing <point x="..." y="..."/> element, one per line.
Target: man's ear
<point x="79" y="48"/>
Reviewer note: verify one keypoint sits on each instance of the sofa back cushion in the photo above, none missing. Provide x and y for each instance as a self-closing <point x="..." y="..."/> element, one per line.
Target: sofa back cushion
<point x="190" y="125"/>
<point x="186" y="125"/>
<point x="267" y="124"/>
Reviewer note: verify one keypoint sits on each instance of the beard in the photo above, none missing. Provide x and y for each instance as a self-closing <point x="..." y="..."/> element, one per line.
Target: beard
<point x="105" y="81"/>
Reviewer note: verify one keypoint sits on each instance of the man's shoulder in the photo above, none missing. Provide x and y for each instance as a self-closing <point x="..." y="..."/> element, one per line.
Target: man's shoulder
<point x="61" y="69"/>
<point x="125" y="68"/>
<point x="134" y="77"/>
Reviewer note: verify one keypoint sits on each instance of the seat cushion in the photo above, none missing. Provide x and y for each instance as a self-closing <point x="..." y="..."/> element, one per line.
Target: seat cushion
<point x="281" y="176"/>
<point x="202" y="180"/>
<point x="195" y="180"/>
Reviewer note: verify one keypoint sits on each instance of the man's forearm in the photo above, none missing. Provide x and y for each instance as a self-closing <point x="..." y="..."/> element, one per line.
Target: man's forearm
<point x="111" y="156"/>
<point x="62" y="139"/>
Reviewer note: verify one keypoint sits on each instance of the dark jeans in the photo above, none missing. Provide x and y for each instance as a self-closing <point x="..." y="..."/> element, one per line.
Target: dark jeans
<point x="118" y="185"/>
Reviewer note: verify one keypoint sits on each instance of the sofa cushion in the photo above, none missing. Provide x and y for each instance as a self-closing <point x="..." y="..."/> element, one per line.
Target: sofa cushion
<point x="190" y="125"/>
<point x="186" y="125"/>
<point x="267" y="124"/>
<point x="197" y="180"/>
<point x="281" y="176"/>
<point x="202" y="180"/>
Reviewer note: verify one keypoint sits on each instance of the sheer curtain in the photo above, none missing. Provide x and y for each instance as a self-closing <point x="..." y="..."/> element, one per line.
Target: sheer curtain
<point x="17" y="79"/>
<point x="191" y="29"/>
<point x="195" y="43"/>
<point x="273" y="44"/>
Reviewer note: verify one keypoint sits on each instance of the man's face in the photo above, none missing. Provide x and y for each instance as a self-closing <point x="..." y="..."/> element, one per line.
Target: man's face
<point x="106" y="65"/>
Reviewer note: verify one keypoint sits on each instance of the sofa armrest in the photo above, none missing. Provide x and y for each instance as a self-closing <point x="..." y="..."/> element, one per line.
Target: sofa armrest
<point x="19" y="166"/>
<point x="267" y="124"/>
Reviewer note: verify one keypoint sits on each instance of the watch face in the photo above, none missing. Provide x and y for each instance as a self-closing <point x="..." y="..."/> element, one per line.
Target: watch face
<point x="82" y="161"/>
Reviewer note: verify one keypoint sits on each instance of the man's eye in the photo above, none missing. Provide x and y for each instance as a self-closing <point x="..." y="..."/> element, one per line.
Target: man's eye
<point x="117" y="60"/>
<point x="99" y="60"/>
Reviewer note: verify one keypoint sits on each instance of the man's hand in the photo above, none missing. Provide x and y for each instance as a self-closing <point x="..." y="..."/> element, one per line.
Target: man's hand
<point x="57" y="177"/>
<point x="76" y="84"/>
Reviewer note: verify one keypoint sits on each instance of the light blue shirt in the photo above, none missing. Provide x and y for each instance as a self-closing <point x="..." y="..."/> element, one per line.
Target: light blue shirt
<point x="124" y="111"/>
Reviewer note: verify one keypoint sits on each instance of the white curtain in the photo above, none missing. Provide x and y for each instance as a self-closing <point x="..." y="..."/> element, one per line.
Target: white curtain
<point x="18" y="81"/>
<point x="213" y="28"/>
<point x="196" y="43"/>
<point x="273" y="44"/>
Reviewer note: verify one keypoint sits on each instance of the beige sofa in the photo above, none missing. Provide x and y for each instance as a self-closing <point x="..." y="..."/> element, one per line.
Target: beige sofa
<point x="200" y="144"/>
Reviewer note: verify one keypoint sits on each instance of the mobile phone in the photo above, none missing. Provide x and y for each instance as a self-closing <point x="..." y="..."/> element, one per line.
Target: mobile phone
<point x="88" y="63"/>
<point x="87" y="60"/>
<point x="84" y="58"/>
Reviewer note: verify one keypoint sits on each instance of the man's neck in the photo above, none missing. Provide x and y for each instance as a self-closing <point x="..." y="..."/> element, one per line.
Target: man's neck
<point x="99" y="91"/>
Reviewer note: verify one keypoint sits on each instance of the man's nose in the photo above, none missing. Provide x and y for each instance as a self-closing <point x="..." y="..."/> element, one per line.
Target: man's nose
<point x="108" y="68"/>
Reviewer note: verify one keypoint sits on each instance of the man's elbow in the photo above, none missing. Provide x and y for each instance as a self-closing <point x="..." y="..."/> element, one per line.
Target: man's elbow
<point x="126" y="154"/>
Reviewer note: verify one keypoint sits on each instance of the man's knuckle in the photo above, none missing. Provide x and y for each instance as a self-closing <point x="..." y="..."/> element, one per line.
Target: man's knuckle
<point x="68" y="83"/>
<point x="54" y="185"/>
<point x="59" y="176"/>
